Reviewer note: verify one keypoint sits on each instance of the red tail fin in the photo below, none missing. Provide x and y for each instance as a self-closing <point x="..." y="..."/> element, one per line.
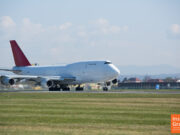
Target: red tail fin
<point x="19" y="57"/>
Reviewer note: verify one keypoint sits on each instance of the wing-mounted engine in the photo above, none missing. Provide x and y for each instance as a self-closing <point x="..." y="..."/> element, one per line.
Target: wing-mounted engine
<point x="114" y="81"/>
<point x="46" y="83"/>
<point x="51" y="82"/>
<point x="7" y="80"/>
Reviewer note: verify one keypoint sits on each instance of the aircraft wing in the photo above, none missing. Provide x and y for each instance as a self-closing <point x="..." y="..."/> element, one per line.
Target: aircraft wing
<point x="6" y="79"/>
<point x="10" y="70"/>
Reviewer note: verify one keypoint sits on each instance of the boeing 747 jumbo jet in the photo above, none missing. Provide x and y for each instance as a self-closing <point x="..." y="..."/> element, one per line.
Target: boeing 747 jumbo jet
<point x="59" y="77"/>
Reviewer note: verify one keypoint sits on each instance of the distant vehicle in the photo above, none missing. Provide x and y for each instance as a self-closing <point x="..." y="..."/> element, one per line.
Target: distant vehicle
<point x="59" y="77"/>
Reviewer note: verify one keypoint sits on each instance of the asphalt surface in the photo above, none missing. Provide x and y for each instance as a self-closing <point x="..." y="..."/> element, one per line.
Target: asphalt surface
<point x="92" y="91"/>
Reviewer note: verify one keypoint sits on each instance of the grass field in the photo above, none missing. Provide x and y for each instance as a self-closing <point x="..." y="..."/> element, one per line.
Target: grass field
<point x="87" y="113"/>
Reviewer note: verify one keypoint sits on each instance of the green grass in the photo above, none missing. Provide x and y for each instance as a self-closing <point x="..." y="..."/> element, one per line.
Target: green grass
<point x="86" y="113"/>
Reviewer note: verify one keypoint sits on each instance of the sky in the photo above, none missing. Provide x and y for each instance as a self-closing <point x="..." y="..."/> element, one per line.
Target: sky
<point x="127" y="32"/>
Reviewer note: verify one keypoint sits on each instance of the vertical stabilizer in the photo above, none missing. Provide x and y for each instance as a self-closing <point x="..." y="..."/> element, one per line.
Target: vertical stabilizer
<point x="19" y="57"/>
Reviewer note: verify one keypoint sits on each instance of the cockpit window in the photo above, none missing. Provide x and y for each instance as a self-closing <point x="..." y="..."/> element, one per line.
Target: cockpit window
<point x="108" y="62"/>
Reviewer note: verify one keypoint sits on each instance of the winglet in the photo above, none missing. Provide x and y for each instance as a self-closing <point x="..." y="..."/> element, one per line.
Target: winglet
<point x="19" y="57"/>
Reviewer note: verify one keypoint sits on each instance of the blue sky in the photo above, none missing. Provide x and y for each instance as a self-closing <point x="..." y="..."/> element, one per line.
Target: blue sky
<point x="129" y="32"/>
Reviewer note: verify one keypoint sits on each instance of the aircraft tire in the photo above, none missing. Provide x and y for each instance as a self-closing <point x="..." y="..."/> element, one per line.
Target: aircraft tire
<point x="79" y="88"/>
<point x="105" y="89"/>
<point x="54" y="89"/>
<point x="66" y="89"/>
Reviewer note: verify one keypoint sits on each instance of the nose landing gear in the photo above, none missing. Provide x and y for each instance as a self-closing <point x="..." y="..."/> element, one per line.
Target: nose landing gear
<point x="105" y="87"/>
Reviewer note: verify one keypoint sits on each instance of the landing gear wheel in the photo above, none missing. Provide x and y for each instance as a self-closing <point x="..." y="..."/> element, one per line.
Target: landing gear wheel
<point x="79" y="88"/>
<point x="66" y="89"/>
<point x="105" y="89"/>
<point x="50" y="88"/>
<point x="54" y="89"/>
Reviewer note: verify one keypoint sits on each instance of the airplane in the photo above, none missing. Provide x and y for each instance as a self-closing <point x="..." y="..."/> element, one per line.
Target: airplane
<point x="59" y="77"/>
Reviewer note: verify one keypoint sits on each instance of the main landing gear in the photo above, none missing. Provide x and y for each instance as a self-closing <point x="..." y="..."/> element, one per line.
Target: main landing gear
<point x="79" y="88"/>
<point x="105" y="88"/>
<point x="54" y="88"/>
<point x="59" y="87"/>
<point x="65" y="88"/>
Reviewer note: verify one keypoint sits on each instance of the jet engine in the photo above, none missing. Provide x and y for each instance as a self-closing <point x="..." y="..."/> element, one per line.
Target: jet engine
<point x="7" y="81"/>
<point x="114" y="81"/>
<point x="47" y="83"/>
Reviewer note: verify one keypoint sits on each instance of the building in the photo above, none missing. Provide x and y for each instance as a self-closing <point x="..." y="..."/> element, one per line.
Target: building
<point x="155" y="80"/>
<point x="133" y="80"/>
<point x="149" y="85"/>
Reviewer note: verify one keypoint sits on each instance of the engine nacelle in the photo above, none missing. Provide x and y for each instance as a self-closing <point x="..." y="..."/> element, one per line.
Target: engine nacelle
<point x="7" y="81"/>
<point x="114" y="81"/>
<point x="47" y="83"/>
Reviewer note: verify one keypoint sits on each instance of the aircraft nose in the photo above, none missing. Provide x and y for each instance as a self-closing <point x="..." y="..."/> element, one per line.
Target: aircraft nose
<point x="115" y="71"/>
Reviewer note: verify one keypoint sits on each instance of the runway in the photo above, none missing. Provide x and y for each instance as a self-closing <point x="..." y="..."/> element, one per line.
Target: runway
<point x="99" y="91"/>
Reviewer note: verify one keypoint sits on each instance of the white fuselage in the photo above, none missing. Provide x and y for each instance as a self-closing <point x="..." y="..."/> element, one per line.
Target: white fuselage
<point x="84" y="72"/>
